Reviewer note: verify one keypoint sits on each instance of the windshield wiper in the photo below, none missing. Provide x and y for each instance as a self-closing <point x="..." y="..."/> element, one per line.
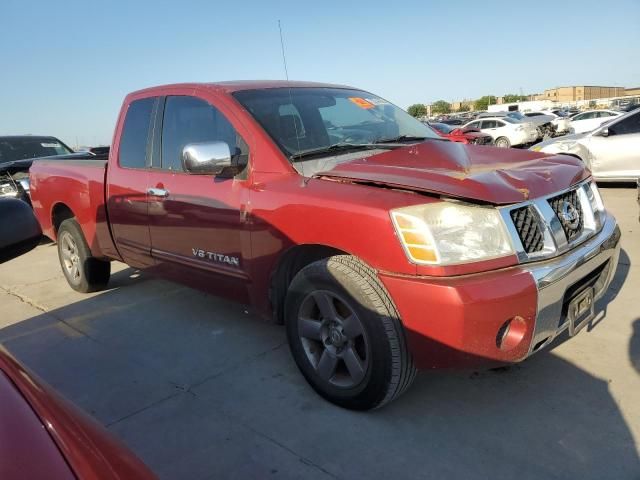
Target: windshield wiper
<point x="337" y="147"/>
<point x="403" y="138"/>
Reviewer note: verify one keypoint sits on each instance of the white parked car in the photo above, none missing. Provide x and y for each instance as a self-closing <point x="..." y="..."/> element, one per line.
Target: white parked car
<point x="611" y="151"/>
<point x="542" y="122"/>
<point x="505" y="131"/>
<point x="587" y="121"/>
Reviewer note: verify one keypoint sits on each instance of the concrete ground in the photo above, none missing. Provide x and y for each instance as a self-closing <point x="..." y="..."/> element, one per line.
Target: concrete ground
<point x="199" y="388"/>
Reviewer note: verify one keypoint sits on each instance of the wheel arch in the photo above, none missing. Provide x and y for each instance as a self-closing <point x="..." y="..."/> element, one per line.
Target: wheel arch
<point x="288" y="265"/>
<point x="59" y="213"/>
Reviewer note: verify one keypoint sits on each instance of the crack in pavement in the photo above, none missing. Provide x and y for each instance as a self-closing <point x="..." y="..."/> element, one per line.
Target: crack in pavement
<point x="145" y="408"/>
<point x="187" y="389"/>
<point x="301" y="458"/>
<point x="24" y="299"/>
<point x="233" y="368"/>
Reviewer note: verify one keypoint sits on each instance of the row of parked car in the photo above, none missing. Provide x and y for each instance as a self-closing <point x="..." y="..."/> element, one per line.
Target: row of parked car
<point x="607" y="141"/>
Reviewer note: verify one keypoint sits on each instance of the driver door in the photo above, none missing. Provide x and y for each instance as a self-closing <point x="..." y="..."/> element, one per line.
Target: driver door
<point x="197" y="222"/>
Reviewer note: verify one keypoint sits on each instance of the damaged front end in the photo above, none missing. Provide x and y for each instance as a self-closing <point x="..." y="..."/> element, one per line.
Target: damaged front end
<point x="15" y="184"/>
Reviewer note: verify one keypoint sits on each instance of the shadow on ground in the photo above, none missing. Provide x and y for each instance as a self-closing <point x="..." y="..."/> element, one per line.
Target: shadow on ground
<point x="199" y="388"/>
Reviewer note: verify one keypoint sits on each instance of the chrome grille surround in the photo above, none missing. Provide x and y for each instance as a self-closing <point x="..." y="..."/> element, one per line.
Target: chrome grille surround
<point x="555" y="239"/>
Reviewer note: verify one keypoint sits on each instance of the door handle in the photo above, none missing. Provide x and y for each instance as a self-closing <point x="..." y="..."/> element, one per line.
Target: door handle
<point x="158" y="192"/>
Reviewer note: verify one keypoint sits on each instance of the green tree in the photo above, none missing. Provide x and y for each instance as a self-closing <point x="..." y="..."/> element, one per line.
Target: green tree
<point x="417" y="110"/>
<point x="441" y="107"/>
<point x="464" y="108"/>
<point x="483" y="102"/>
<point x="513" y="97"/>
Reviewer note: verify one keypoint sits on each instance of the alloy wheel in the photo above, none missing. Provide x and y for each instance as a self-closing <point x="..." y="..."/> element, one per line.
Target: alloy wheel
<point x="333" y="338"/>
<point x="70" y="257"/>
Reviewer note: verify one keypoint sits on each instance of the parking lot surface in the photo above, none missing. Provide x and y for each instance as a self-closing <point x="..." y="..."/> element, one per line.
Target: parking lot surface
<point x="200" y="388"/>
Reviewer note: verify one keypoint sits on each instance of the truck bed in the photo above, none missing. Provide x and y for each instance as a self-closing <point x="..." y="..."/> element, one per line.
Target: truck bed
<point x="74" y="187"/>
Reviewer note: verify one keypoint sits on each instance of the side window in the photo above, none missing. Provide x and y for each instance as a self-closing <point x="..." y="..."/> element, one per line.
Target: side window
<point x="193" y="120"/>
<point x="474" y="125"/>
<point x="499" y="123"/>
<point x="628" y="125"/>
<point x="488" y="124"/>
<point x="135" y="134"/>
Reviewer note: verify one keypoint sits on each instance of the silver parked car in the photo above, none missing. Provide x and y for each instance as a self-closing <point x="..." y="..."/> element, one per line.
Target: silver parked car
<point x="611" y="151"/>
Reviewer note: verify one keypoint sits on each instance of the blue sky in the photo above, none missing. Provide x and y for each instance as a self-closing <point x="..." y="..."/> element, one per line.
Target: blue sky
<point x="67" y="65"/>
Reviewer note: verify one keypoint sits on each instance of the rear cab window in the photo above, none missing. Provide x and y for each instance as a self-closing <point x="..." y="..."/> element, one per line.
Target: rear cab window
<point x="134" y="140"/>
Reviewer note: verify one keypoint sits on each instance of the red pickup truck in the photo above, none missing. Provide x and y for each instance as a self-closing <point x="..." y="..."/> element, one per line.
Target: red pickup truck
<point x="382" y="247"/>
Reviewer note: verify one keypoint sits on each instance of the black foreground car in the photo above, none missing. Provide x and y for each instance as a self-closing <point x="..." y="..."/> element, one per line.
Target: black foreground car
<point x="17" y="153"/>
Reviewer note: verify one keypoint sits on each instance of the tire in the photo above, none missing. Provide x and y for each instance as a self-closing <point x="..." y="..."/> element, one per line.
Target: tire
<point x="336" y="309"/>
<point x="502" y="142"/>
<point x="83" y="272"/>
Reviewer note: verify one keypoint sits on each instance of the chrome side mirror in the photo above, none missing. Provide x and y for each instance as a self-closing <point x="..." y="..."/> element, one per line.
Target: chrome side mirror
<point x="207" y="158"/>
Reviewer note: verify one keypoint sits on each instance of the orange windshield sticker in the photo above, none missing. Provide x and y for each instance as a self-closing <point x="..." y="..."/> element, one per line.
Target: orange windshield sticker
<point x="361" y="102"/>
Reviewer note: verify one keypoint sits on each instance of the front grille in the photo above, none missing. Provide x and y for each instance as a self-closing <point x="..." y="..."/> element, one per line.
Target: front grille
<point x="566" y="207"/>
<point x="528" y="229"/>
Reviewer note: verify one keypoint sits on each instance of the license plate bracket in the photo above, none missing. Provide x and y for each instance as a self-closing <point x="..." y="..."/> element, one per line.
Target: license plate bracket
<point x="580" y="311"/>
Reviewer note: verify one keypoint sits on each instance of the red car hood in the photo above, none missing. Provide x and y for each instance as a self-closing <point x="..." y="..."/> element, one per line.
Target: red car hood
<point x="487" y="174"/>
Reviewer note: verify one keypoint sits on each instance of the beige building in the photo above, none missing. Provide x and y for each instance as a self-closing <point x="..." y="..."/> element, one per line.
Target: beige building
<point x="632" y="91"/>
<point x="581" y="92"/>
<point x="456" y="106"/>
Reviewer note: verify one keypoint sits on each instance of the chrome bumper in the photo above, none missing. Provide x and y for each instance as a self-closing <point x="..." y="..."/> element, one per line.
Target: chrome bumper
<point x="593" y="263"/>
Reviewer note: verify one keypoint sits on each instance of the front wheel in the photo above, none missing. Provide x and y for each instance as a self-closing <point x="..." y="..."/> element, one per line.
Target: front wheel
<point x="83" y="272"/>
<point x="345" y="334"/>
<point x="503" y="142"/>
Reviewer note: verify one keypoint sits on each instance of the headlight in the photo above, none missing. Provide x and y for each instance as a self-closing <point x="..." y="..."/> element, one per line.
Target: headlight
<point x="594" y="198"/>
<point x="449" y="233"/>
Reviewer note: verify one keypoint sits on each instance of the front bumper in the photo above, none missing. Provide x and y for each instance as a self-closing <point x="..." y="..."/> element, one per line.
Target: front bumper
<point x="457" y="321"/>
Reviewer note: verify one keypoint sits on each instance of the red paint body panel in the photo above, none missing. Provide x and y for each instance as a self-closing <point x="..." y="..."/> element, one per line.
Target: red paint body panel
<point x="261" y="217"/>
<point x="73" y="440"/>
<point x="453" y="322"/>
<point x="27" y="449"/>
<point x="486" y="174"/>
<point x="80" y="187"/>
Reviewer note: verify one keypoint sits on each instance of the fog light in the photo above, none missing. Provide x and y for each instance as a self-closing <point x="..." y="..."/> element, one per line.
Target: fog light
<point x="511" y="333"/>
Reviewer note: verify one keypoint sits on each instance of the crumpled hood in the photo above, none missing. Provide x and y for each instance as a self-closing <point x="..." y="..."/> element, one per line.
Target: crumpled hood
<point x="481" y="173"/>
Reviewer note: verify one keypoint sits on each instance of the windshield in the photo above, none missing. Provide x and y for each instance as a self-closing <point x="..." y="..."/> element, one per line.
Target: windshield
<point x="516" y="115"/>
<point x="303" y="120"/>
<point x="510" y="120"/>
<point x="21" y="148"/>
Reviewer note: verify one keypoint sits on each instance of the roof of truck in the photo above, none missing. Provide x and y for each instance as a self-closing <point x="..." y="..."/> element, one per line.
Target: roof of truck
<point x="236" y="85"/>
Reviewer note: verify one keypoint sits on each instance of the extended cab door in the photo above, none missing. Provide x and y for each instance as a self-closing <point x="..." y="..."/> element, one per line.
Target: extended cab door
<point x="127" y="182"/>
<point x="198" y="233"/>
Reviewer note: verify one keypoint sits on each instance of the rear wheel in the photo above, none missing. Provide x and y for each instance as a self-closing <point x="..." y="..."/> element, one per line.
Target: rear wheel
<point x="345" y="334"/>
<point x="503" y="142"/>
<point x="83" y="272"/>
